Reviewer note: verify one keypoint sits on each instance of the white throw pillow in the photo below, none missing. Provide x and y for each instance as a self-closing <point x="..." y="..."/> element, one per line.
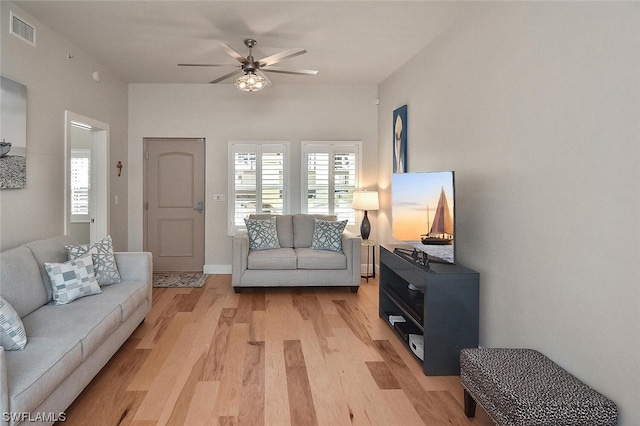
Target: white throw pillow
<point x="72" y="280"/>
<point x="12" y="334"/>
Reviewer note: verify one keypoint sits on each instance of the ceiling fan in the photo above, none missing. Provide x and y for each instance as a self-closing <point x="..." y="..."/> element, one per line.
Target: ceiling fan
<point x="253" y="78"/>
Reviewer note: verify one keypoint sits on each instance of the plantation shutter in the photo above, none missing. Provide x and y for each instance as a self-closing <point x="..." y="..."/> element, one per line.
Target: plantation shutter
<point x="330" y="175"/>
<point x="257" y="181"/>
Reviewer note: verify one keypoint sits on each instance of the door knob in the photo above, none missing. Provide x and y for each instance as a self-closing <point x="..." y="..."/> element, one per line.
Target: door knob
<point x="200" y="206"/>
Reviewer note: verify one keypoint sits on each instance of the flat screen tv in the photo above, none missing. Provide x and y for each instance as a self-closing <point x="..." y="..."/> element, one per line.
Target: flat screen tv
<point x="423" y="213"/>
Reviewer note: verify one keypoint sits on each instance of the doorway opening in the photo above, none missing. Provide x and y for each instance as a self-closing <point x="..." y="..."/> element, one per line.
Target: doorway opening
<point x="86" y="178"/>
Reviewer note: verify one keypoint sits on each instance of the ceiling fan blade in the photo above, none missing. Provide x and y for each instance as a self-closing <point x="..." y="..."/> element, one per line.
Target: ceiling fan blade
<point x="290" y="71"/>
<point x="206" y="65"/>
<point x="274" y="59"/>
<point x="235" y="55"/>
<point x="224" y="77"/>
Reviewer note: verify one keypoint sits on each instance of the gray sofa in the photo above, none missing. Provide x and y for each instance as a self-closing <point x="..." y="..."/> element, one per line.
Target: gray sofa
<point x="296" y="264"/>
<point x="67" y="345"/>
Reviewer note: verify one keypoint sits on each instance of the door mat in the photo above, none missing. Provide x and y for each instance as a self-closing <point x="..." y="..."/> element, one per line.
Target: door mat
<point x="179" y="280"/>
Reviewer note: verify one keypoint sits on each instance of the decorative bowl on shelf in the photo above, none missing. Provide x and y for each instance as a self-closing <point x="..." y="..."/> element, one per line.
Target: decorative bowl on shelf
<point x="5" y="147"/>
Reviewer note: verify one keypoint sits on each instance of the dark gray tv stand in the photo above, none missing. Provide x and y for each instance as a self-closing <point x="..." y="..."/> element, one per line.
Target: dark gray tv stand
<point x="444" y="308"/>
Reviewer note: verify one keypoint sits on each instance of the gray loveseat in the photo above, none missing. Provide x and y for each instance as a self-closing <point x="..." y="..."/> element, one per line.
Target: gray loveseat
<point x="67" y="345"/>
<point x="296" y="264"/>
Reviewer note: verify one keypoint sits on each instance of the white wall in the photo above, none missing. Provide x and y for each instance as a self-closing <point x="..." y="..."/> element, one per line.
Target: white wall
<point x="221" y="113"/>
<point x="536" y="106"/>
<point x="55" y="84"/>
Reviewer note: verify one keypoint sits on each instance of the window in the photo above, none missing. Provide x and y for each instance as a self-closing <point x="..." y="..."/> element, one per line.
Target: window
<point x="258" y="181"/>
<point x="80" y="184"/>
<point x="330" y="174"/>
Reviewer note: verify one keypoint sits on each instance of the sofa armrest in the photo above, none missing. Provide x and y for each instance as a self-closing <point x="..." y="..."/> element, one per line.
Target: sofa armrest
<point x="351" y="248"/>
<point x="136" y="266"/>
<point x="239" y="257"/>
<point x="4" y="390"/>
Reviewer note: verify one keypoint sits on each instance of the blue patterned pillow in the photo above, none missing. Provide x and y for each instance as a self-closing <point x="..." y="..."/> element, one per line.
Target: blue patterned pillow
<point x="12" y="334"/>
<point x="104" y="260"/>
<point x="327" y="235"/>
<point x="263" y="234"/>
<point x="72" y="280"/>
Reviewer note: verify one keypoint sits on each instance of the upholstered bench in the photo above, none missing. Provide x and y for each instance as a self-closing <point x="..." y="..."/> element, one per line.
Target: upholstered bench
<point x="524" y="387"/>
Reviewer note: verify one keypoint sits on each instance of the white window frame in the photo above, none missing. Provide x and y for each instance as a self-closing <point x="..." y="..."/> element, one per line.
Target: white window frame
<point x="330" y="147"/>
<point x="258" y="147"/>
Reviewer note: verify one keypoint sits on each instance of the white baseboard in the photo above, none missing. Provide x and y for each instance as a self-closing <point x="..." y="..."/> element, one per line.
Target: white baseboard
<point x="217" y="269"/>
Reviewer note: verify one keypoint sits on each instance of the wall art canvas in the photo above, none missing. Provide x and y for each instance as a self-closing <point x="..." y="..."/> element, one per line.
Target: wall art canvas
<point x="13" y="134"/>
<point x="400" y="140"/>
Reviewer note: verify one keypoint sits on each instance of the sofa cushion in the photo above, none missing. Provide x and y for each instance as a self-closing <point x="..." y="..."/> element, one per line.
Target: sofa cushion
<point x="50" y="250"/>
<point x="72" y="280"/>
<point x="304" y="226"/>
<point x="104" y="261"/>
<point x="282" y="258"/>
<point x="33" y="373"/>
<point x="89" y="321"/>
<point x="309" y="258"/>
<point x="262" y="233"/>
<point x="328" y="235"/>
<point x="129" y="295"/>
<point x="284" y="227"/>
<point x="21" y="285"/>
<point x="12" y="334"/>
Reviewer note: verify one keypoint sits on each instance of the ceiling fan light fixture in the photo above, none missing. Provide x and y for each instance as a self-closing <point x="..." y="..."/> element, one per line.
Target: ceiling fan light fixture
<point x="251" y="82"/>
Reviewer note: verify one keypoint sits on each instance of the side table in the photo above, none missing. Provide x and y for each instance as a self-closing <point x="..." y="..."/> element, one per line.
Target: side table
<point x="371" y="254"/>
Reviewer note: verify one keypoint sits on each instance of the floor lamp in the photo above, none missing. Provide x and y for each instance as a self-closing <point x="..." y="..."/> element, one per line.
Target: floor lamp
<point x="365" y="200"/>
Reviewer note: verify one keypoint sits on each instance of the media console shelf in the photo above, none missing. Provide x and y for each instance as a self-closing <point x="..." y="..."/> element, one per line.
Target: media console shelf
<point x="444" y="308"/>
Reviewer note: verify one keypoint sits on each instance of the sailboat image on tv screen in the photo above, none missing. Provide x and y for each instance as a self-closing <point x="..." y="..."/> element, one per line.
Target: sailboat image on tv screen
<point x="441" y="232"/>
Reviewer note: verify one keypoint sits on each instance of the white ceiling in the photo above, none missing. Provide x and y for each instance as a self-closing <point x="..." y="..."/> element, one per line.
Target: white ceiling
<point x="348" y="42"/>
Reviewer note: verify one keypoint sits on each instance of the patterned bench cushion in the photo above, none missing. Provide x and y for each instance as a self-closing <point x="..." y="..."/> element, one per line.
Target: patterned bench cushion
<point x="524" y="387"/>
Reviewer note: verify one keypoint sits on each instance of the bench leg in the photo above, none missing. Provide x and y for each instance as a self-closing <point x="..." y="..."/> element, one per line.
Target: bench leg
<point x="469" y="404"/>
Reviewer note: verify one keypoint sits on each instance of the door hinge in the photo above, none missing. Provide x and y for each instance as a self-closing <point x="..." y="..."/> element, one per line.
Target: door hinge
<point x="146" y="155"/>
<point x="146" y="205"/>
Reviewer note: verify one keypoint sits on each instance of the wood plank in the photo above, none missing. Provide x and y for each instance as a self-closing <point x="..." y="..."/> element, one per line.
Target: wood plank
<point x="276" y="400"/>
<point x="251" y="411"/>
<point x="214" y="364"/>
<point x="382" y="375"/>
<point x="301" y="405"/>
<point x="202" y="408"/>
<point x="228" y="398"/>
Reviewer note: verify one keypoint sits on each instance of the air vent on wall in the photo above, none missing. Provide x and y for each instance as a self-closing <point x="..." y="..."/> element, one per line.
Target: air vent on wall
<point x="22" y="29"/>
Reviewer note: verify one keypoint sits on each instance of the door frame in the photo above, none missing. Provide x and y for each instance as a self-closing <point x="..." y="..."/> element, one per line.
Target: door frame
<point x="145" y="201"/>
<point x="100" y="142"/>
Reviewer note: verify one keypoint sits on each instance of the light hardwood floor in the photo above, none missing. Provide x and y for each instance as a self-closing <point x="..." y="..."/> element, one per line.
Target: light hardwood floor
<point x="210" y="356"/>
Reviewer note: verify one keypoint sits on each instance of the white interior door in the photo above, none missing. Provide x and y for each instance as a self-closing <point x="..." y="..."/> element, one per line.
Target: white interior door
<point x="174" y="176"/>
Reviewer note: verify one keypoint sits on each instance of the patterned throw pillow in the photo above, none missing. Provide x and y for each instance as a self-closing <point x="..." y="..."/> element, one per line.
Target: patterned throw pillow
<point x="12" y="334"/>
<point x="263" y="234"/>
<point x="72" y="280"/>
<point x="327" y="235"/>
<point x="104" y="260"/>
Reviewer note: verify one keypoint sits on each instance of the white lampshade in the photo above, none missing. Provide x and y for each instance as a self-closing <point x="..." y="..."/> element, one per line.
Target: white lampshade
<point x="365" y="200"/>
